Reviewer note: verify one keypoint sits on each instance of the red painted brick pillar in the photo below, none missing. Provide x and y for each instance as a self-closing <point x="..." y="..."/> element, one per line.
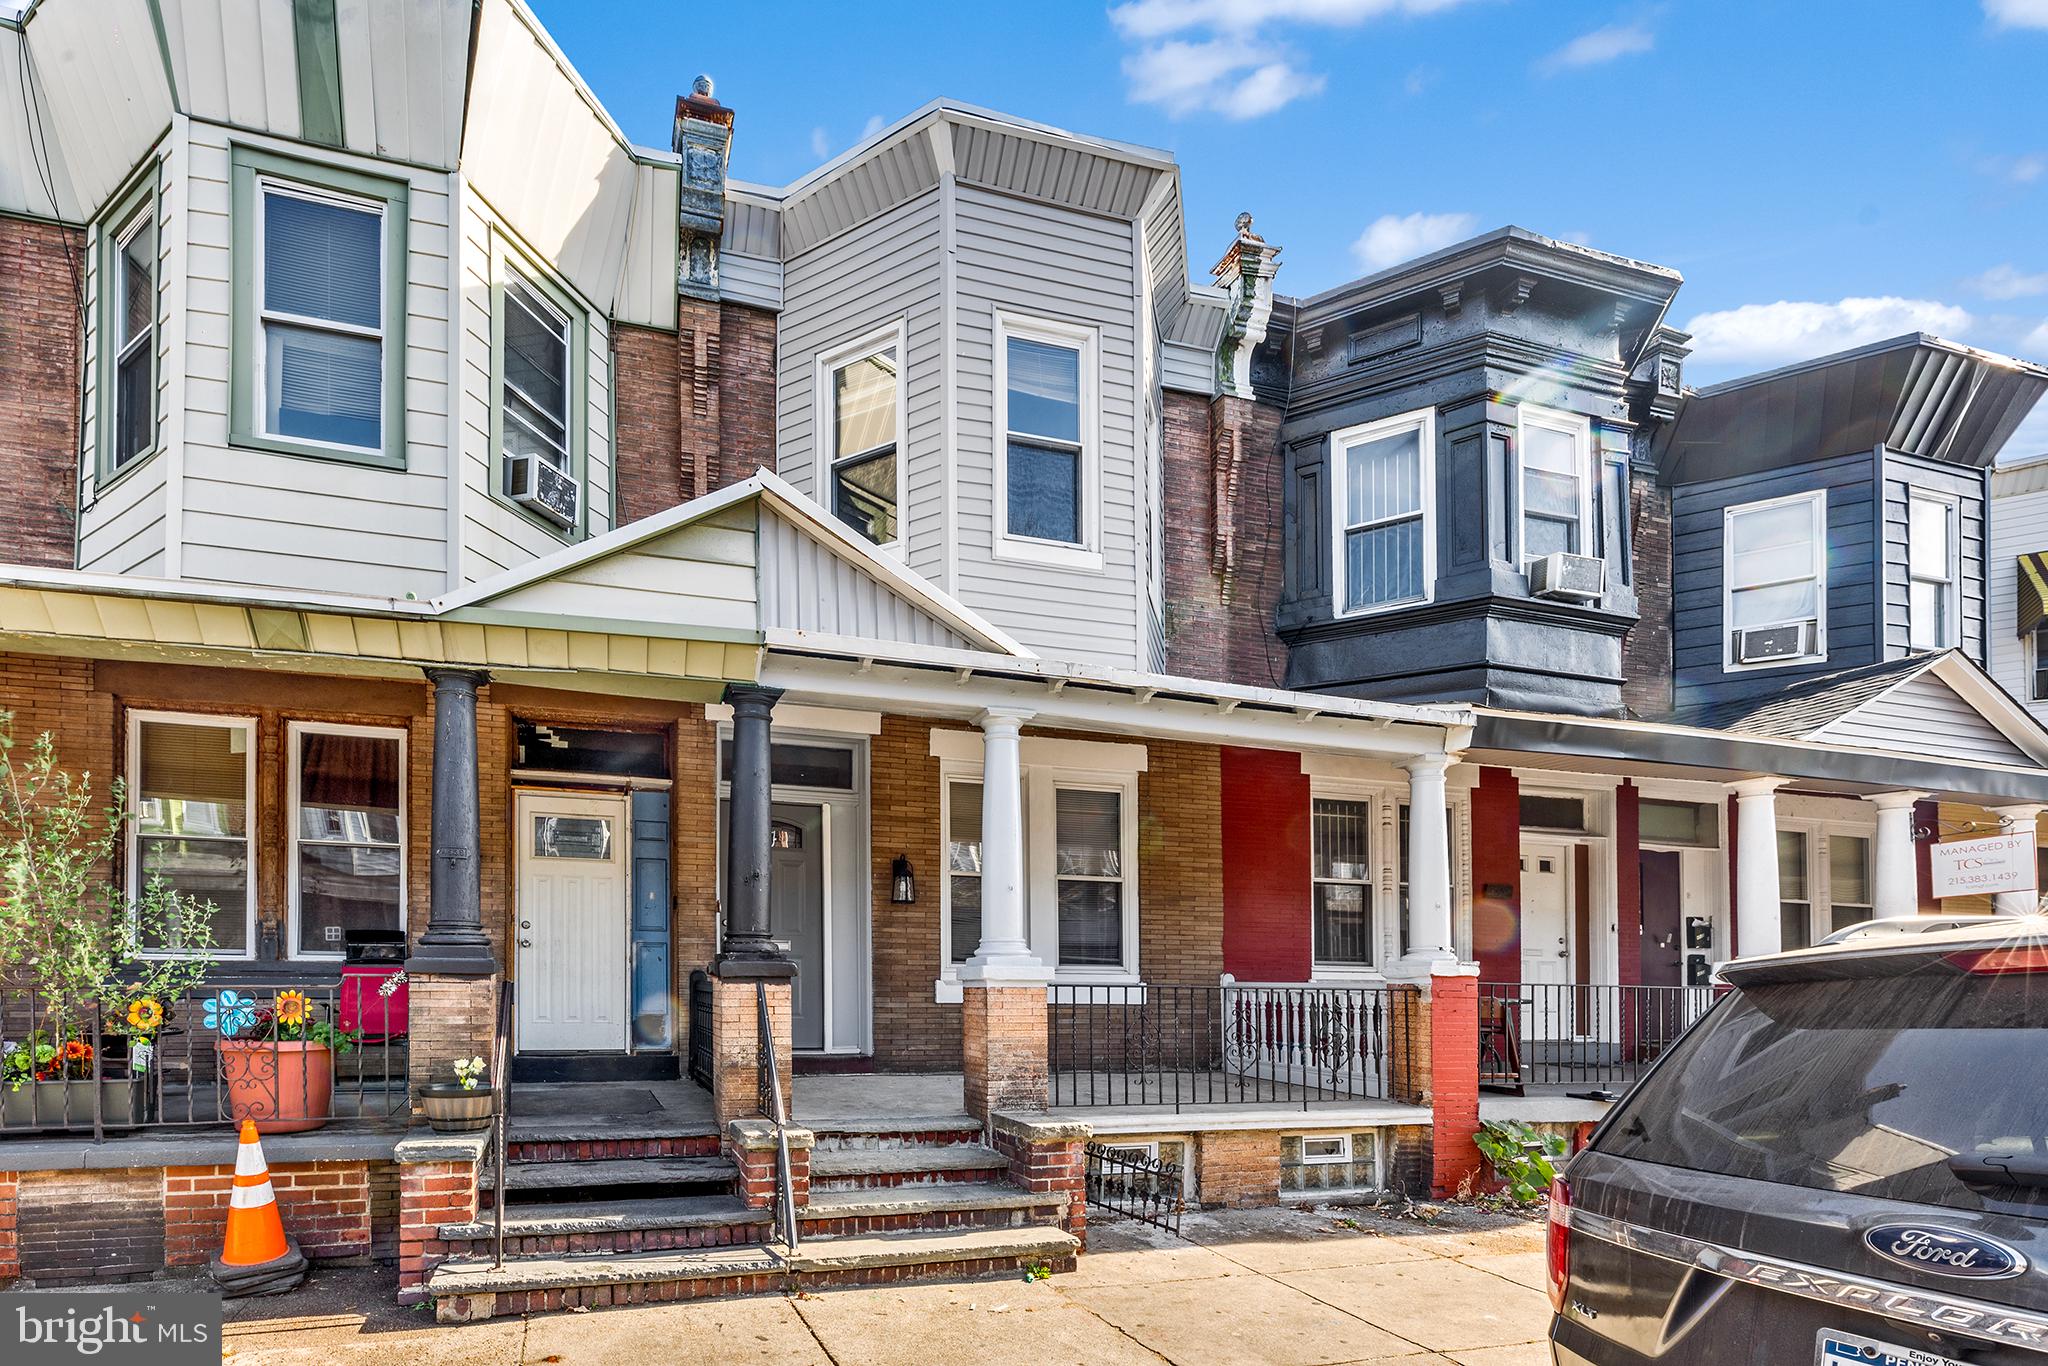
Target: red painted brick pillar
<point x="1454" y="1081"/>
<point x="1266" y="890"/>
<point x="1497" y="875"/>
<point x="10" y="1247"/>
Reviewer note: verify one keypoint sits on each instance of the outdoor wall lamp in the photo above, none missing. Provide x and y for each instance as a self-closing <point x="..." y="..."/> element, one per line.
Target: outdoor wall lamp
<point x="902" y="881"/>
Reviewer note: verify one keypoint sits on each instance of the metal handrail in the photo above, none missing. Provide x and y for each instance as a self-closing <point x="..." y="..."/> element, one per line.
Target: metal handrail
<point x="785" y="1186"/>
<point x="499" y="1048"/>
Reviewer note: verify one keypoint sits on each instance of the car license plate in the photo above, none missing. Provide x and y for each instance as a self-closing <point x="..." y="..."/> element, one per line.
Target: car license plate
<point x="1840" y="1349"/>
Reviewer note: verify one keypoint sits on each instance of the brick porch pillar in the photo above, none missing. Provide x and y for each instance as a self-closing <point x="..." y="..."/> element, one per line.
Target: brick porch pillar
<point x="1454" y="1078"/>
<point x="736" y="1046"/>
<point x="437" y="1184"/>
<point x="1003" y="1046"/>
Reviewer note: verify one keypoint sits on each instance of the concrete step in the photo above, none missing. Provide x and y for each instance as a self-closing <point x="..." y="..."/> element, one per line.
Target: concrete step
<point x="901" y="1132"/>
<point x="471" y="1288"/>
<point x="613" y="1178"/>
<point x="842" y="1169"/>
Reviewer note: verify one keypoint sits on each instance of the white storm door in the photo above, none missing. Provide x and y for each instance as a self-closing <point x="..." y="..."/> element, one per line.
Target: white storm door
<point x="1546" y="918"/>
<point x="571" y="924"/>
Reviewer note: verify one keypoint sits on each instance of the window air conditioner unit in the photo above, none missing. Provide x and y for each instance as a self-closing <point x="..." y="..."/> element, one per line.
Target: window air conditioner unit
<point x="1577" y="578"/>
<point x="535" y="483"/>
<point x="1765" y="644"/>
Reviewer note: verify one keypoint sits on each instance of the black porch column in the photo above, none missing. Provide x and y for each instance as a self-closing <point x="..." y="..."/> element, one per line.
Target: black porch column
<point x="454" y="943"/>
<point x="749" y="951"/>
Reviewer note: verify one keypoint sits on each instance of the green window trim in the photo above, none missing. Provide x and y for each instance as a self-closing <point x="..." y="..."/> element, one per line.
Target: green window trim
<point x="141" y="199"/>
<point x="507" y="259"/>
<point x="244" y="430"/>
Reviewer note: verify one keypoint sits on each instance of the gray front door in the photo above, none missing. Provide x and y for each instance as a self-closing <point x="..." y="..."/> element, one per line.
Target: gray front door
<point x="796" y="912"/>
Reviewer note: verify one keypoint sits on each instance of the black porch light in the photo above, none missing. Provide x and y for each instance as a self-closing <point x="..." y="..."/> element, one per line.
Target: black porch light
<point x="902" y="881"/>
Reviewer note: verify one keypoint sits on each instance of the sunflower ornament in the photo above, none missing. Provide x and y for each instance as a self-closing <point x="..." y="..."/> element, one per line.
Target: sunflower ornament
<point x="145" y="1015"/>
<point x="292" y="1007"/>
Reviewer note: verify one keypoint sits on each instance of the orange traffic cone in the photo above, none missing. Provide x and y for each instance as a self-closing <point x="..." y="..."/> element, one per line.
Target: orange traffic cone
<point x="256" y="1258"/>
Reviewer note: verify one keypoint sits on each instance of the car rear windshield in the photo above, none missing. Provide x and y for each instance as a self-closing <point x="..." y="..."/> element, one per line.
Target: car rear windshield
<point x="1930" y="1086"/>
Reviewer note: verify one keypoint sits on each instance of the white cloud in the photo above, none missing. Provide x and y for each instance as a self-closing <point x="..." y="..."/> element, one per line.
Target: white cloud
<point x="1158" y="18"/>
<point x="875" y="124"/>
<point x="1601" y="46"/>
<point x="1776" y="333"/>
<point x="2007" y="282"/>
<point x="2017" y="13"/>
<point x="821" y="144"/>
<point x="2027" y="169"/>
<point x="1237" y="80"/>
<point x="2036" y="341"/>
<point x="1391" y="239"/>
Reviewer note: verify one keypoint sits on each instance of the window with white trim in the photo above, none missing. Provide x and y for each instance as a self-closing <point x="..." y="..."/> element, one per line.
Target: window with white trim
<point x="1775" y="581"/>
<point x="1556" y="452"/>
<point x="1795" y="898"/>
<point x="133" y="317"/>
<point x="1321" y="1148"/>
<point x="1384" y="474"/>
<point x="1849" y="896"/>
<point x="192" y="781"/>
<point x="963" y="869"/>
<point x="1826" y="878"/>
<point x="1341" y="870"/>
<point x="320" y="308"/>
<point x="2037" y="665"/>
<point x="1933" y="572"/>
<point x="537" y="377"/>
<point x="1088" y="853"/>
<point x="861" y="395"/>
<point x="1047" y="483"/>
<point x="347" y="814"/>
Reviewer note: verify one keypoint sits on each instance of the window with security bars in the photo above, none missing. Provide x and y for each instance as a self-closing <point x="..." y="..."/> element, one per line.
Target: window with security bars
<point x="1383" y="507"/>
<point x="963" y="869"/>
<point x="1088" y="854"/>
<point x="321" y="309"/>
<point x="1341" y="871"/>
<point x="865" y="393"/>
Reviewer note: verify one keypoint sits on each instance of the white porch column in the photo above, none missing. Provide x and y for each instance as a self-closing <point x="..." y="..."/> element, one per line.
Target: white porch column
<point x="1759" y="927"/>
<point x="1896" y="874"/>
<point x="1004" y="955"/>
<point x="1429" y="870"/>
<point x="2021" y="822"/>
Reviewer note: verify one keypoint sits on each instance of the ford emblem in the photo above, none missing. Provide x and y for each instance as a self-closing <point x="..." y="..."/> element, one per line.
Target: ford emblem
<point x="1945" y="1251"/>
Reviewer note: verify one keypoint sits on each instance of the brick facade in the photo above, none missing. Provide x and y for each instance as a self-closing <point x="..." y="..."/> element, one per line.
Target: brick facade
<point x="695" y="407"/>
<point x="746" y="394"/>
<point x="1646" y="662"/>
<point x="325" y="1207"/>
<point x="42" y="270"/>
<point x="1003" y="1049"/>
<point x="1454" y="1083"/>
<point x="430" y="1194"/>
<point x="10" y="1247"/>
<point x="736" y="1046"/>
<point x="646" y="411"/>
<point x="1237" y="1169"/>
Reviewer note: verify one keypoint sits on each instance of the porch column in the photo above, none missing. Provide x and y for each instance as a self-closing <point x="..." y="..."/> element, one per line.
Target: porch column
<point x="1895" y="875"/>
<point x="1004" y="1064"/>
<point x="2021" y="822"/>
<point x="1429" y="868"/>
<point x="454" y="942"/>
<point x="747" y="824"/>
<point x="1759" y="926"/>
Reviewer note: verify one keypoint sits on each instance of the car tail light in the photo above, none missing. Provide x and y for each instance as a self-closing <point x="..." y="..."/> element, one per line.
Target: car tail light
<point x="1557" y="1245"/>
<point x="1996" y="962"/>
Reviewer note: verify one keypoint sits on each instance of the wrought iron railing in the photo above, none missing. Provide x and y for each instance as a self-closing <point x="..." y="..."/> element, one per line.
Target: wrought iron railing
<point x="1136" y="1184"/>
<point x="769" y="1095"/>
<point x="1598" y="1038"/>
<point x="1236" y="1043"/>
<point x="289" y="1057"/>
<point x="700" y="1027"/>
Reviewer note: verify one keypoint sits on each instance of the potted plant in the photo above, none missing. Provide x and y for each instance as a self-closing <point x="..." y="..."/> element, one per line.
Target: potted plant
<point x="69" y="969"/>
<point x="277" y="1063"/>
<point x="462" y="1106"/>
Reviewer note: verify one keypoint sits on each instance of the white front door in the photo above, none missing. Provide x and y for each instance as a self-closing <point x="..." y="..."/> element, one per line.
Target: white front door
<point x="1546" y="913"/>
<point x="571" y="923"/>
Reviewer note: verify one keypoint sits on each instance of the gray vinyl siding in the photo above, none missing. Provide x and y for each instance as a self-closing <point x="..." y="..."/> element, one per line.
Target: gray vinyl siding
<point x="255" y="517"/>
<point x="1903" y="474"/>
<point x="1924" y="716"/>
<point x="1697" y="521"/>
<point x="1034" y="261"/>
<point x="885" y="271"/>
<point x="805" y="586"/>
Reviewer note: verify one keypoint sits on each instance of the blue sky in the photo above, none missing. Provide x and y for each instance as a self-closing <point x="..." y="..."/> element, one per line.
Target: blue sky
<point x="1823" y="173"/>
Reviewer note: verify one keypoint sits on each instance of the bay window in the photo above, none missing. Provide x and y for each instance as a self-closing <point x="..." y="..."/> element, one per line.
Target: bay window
<point x="1931" y="555"/>
<point x="1341" y="869"/>
<point x="861" y="400"/>
<point x="1775" y="581"/>
<point x="347" y="834"/>
<point x="1385" y="476"/>
<point x="1556" y="464"/>
<point x="1046" y="481"/>
<point x="192" y="780"/>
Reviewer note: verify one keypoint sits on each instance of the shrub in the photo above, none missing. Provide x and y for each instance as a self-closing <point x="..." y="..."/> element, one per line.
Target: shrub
<point x="1522" y="1156"/>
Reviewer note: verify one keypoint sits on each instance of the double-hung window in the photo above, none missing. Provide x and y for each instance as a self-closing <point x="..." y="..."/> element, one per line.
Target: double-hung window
<point x="1384" y="474"/>
<point x="1931" y="554"/>
<point x="192" y="780"/>
<point x="1047" y="421"/>
<point x="1775" y="557"/>
<point x="1342" y="870"/>
<point x="862" y="390"/>
<point x="1849" y="894"/>
<point x="536" y="384"/>
<point x="1556" y="460"/>
<point x="1795" y="899"/>
<point x="963" y="868"/>
<point x="347" y="813"/>
<point x="131" y="322"/>
<point x="1089" y="873"/>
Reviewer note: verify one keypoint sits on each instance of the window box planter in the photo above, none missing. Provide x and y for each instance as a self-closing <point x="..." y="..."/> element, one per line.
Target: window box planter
<point x="285" y="1085"/>
<point x="58" y="1105"/>
<point x="454" y="1109"/>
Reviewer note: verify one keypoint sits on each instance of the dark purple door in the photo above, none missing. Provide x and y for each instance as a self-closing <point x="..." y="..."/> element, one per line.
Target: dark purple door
<point x="1663" y="942"/>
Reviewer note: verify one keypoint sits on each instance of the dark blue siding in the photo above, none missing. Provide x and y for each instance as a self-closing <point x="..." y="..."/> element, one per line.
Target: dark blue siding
<point x="1902" y="475"/>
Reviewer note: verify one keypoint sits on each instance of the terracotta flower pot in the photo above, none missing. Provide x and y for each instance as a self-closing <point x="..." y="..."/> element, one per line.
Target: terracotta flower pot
<point x="286" y="1087"/>
<point x="452" y="1109"/>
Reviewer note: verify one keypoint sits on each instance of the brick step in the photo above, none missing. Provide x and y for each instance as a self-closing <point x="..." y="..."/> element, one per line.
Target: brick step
<point x="923" y="1131"/>
<point x="721" y="1221"/>
<point x="844" y="1169"/>
<point x="611" y="1178"/>
<point x="538" y="1146"/>
<point x="471" y="1289"/>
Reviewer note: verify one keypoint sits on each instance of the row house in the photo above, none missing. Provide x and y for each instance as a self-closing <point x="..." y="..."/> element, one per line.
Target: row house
<point x="898" y="625"/>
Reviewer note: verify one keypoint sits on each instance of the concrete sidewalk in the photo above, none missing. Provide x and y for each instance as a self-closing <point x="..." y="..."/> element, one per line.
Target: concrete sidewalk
<point x="1291" y="1288"/>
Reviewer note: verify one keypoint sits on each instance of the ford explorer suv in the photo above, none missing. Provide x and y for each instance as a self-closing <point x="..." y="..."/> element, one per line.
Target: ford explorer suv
<point x="1845" y="1160"/>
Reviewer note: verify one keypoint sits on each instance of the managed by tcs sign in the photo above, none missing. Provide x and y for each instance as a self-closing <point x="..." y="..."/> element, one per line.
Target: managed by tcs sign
<point x="160" y="1329"/>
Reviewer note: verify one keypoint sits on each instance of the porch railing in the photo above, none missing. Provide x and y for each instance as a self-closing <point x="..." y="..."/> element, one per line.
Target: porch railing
<point x="1235" y="1043"/>
<point x="205" y="1057"/>
<point x="769" y="1096"/>
<point x="1593" y="1037"/>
